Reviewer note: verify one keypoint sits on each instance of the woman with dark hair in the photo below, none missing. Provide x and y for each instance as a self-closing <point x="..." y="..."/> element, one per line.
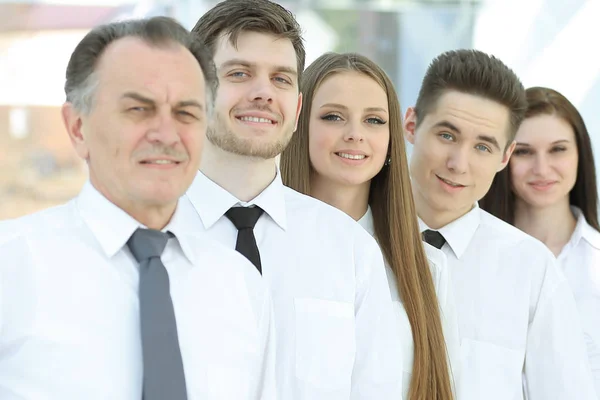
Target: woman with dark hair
<point x="349" y="152"/>
<point x="549" y="191"/>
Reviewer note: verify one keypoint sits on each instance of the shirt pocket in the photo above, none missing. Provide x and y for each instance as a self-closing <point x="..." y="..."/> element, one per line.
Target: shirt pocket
<point x="490" y="371"/>
<point x="325" y="343"/>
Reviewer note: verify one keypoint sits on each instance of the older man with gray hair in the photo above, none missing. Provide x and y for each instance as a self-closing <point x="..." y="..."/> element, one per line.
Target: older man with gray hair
<point x="113" y="296"/>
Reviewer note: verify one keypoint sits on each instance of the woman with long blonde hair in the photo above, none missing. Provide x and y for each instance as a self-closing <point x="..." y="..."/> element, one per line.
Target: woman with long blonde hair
<point x="349" y="152"/>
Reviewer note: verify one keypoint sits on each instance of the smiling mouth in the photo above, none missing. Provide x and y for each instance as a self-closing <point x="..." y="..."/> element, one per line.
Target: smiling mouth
<point x="160" y="162"/>
<point x="257" y="120"/>
<point x="450" y="183"/>
<point x="351" y="156"/>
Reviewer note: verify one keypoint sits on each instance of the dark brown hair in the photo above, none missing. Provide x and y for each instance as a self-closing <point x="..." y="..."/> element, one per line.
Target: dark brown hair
<point x="500" y="200"/>
<point x="472" y="72"/>
<point x="232" y="17"/>
<point x="396" y="226"/>
<point x="158" y="31"/>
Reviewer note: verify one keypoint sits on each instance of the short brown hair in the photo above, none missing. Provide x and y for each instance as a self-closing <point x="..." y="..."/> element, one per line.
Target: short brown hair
<point x="477" y="73"/>
<point x="500" y="199"/>
<point x="232" y="17"/>
<point x="81" y="80"/>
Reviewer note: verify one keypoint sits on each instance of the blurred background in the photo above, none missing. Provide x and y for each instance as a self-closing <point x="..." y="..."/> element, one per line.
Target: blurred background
<point x="544" y="41"/>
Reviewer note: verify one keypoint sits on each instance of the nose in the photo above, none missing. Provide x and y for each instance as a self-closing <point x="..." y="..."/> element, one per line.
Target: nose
<point x="540" y="164"/>
<point x="354" y="133"/>
<point x="458" y="160"/>
<point x="262" y="90"/>
<point x="163" y="129"/>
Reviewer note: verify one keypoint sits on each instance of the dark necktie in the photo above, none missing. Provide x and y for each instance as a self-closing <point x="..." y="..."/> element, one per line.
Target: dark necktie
<point x="434" y="238"/>
<point x="163" y="368"/>
<point x="244" y="219"/>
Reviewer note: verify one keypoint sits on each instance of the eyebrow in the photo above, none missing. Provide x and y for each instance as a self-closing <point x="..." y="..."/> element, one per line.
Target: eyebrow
<point x="486" y="138"/>
<point x="146" y="100"/>
<point x="343" y="107"/>
<point x="555" y="142"/>
<point x="238" y="62"/>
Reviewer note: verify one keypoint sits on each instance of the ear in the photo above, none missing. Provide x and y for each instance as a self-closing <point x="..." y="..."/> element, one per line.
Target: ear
<point x="506" y="155"/>
<point x="74" y="125"/>
<point x="410" y="124"/>
<point x="298" y="109"/>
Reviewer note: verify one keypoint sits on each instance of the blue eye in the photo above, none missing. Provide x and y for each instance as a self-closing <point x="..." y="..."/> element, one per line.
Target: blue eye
<point x="331" y="117"/>
<point x="483" y="148"/>
<point x="376" y="121"/>
<point x="283" y="80"/>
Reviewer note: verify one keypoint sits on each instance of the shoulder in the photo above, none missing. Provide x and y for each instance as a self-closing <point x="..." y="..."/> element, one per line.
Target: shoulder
<point x="506" y="236"/>
<point x="330" y="219"/>
<point x="224" y="261"/>
<point x="41" y="224"/>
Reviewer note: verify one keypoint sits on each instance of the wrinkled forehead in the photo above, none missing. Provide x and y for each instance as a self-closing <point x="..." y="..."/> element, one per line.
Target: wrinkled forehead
<point x="169" y="70"/>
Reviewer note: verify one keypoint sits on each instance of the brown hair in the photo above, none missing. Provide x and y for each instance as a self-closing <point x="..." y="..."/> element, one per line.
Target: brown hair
<point x="232" y="17"/>
<point x="500" y="200"/>
<point x="472" y="72"/>
<point x="395" y="221"/>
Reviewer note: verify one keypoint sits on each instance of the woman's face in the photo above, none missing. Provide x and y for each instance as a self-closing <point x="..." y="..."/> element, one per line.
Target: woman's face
<point x="349" y="131"/>
<point x="543" y="166"/>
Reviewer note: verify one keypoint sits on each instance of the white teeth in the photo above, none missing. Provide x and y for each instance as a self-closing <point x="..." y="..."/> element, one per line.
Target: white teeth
<point x="256" y="119"/>
<point x="351" y="156"/>
<point x="161" y="162"/>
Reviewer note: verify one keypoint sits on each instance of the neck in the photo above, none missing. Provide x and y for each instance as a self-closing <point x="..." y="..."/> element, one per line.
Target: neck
<point x="150" y="215"/>
<point x="242" y="176"/>
<point x="552" y="225"/>
<point x="436" y="219"/>
<point x="351" y="199"/>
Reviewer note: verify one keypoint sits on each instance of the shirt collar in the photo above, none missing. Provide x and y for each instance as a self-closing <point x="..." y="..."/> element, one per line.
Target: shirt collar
<point x="366" y="221"/>
<point x="211" y="201"/>
<point x="583" y="230"/>
<point x="112" y="227"/>
<point x="460" y="232"/>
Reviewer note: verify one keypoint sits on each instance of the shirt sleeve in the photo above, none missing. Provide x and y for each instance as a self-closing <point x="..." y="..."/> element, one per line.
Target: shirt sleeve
<point x="377" y="371"/>
<point x="556" y="363"/>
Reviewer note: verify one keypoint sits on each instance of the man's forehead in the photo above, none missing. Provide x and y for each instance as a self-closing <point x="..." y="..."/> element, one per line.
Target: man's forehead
<point x="256" y="48"/>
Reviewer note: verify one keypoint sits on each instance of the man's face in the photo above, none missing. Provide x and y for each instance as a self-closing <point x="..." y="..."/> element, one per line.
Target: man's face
<point x="143" y="137"/>
<point x="258" y="101"/>
<point x="459" y="147"/>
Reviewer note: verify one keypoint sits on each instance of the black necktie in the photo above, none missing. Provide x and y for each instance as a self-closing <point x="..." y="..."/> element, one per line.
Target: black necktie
<point x="244" y="219"/>
<point x="163" y="368"/>
<point x="434" y="238"/>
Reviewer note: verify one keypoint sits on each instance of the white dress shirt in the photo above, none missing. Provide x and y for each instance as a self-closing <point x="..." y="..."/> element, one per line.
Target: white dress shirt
<point x="444" y="291"/>
<point x="579" y="260"/>
<point x="330" y="293"/>
<point x="517" y="316"/>
<point x="69" y="309"/>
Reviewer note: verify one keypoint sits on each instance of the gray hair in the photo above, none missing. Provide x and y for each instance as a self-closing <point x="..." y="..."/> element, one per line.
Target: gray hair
<point x="82" y="78"/>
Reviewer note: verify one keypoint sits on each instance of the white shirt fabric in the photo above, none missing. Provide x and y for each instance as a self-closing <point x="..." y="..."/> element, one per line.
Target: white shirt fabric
<point x="69" y="309"/>
<point x="444" y="291"/>
<point x="333" y="313"/>
<point x="517" y="316"/>
<point x="579" y="260"/>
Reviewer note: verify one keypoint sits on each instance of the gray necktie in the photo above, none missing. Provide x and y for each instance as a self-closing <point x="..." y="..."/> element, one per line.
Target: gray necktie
<point x="163" y="368"/>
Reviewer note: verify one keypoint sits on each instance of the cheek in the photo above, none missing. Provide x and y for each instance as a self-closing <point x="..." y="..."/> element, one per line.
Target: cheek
<point x="518" y="170"/>
<point x="380" y="146"/>
<point x="193" y="141"/>
<point x="320" y="143"/>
